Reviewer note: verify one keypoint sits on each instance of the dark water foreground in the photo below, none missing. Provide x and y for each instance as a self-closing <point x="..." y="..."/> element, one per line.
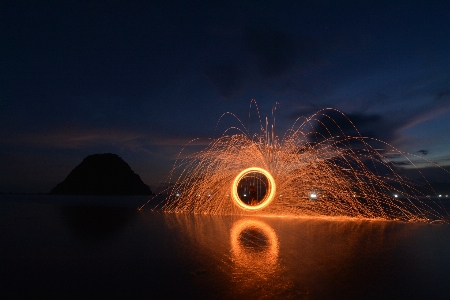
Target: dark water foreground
<point x="84" y="248"/>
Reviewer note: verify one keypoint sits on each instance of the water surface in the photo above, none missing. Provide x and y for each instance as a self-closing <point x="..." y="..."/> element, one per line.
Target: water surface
<point x="103" y="247"/>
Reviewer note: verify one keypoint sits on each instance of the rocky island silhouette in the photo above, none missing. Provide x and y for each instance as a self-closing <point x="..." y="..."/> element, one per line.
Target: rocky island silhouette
<point x="102" y="174"/>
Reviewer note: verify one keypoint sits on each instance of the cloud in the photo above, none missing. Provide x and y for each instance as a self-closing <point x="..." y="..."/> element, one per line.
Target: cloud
<point x="424" y="152"/>
<point x="335" y="123"/>
<point x="78" y="138"/>
<point x="438" y="107"/>
<point x="81" y="138"/>
<point x="390" y="108"/>
<point x="401" y="163"/>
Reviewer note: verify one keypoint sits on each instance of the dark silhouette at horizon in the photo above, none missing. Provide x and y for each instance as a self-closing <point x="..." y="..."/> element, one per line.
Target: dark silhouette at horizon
<point x="102" y="174"/>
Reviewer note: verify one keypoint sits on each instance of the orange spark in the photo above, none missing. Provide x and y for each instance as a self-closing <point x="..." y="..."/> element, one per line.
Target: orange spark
<point x="310" y="171"/>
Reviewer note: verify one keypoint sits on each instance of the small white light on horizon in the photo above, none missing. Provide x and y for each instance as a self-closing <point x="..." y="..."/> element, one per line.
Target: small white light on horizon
<point x="395" y="195"/>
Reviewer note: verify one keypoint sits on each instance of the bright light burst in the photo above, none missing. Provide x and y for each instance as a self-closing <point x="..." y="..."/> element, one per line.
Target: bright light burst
<point x="315" y="169"/>
<point x="269" y="193"/>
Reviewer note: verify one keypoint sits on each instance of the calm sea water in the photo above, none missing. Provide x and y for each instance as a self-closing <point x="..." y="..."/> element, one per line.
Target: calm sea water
<point x="103" y="247"/>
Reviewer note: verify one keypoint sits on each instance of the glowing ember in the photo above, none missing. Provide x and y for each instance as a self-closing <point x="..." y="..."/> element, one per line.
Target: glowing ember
<point x="315" y="169"/>
<point x="268" y="187"/>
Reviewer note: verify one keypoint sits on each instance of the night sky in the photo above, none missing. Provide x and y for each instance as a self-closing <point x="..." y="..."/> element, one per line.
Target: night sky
<point x="142" y="78"/>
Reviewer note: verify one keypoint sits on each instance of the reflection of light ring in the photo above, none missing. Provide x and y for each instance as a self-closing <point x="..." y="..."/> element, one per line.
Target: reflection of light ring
<point x="270" y="192"/>
<point x="263" y="260"/>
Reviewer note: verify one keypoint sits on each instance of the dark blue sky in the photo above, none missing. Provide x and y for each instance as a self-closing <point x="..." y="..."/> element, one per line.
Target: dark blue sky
<point x="141" y="79"/>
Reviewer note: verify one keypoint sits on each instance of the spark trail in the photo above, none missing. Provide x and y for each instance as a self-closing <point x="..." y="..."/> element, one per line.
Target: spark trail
<point x="319" y="170"/>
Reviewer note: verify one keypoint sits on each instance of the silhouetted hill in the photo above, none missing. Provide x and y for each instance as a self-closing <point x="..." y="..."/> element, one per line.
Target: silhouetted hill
<point x="102" y="174"/>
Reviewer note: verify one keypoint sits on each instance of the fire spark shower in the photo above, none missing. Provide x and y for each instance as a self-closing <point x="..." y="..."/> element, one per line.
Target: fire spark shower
<point x="315" y="169"/>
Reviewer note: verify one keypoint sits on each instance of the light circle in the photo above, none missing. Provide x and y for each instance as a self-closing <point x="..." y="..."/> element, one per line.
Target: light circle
<point x="262" y="262"/>
<point x="270" y="191"/>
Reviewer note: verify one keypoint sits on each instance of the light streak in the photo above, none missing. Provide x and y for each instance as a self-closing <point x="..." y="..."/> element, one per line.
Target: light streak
<point x="349" y="174"/>
<point x="270" y="192"/>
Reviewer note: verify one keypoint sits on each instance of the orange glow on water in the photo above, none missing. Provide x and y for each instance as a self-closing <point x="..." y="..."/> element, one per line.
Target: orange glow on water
<point x="257" y="250"/>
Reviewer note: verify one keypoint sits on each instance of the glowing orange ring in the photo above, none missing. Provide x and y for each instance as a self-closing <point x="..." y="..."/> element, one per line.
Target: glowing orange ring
<point x="270" y="192"/>
<point x="265" y="260"/>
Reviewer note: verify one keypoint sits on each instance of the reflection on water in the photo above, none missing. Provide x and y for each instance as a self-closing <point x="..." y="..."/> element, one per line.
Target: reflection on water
<point x="254" y="246"/>
<point x="312" y="258"/>
<point x="103" y="251"/>
<point x="245" y="250"/>
<point x="254" y="255"/>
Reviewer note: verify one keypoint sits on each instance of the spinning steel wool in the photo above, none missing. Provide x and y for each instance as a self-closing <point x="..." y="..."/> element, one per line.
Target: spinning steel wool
<point x="315" y="169"/>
